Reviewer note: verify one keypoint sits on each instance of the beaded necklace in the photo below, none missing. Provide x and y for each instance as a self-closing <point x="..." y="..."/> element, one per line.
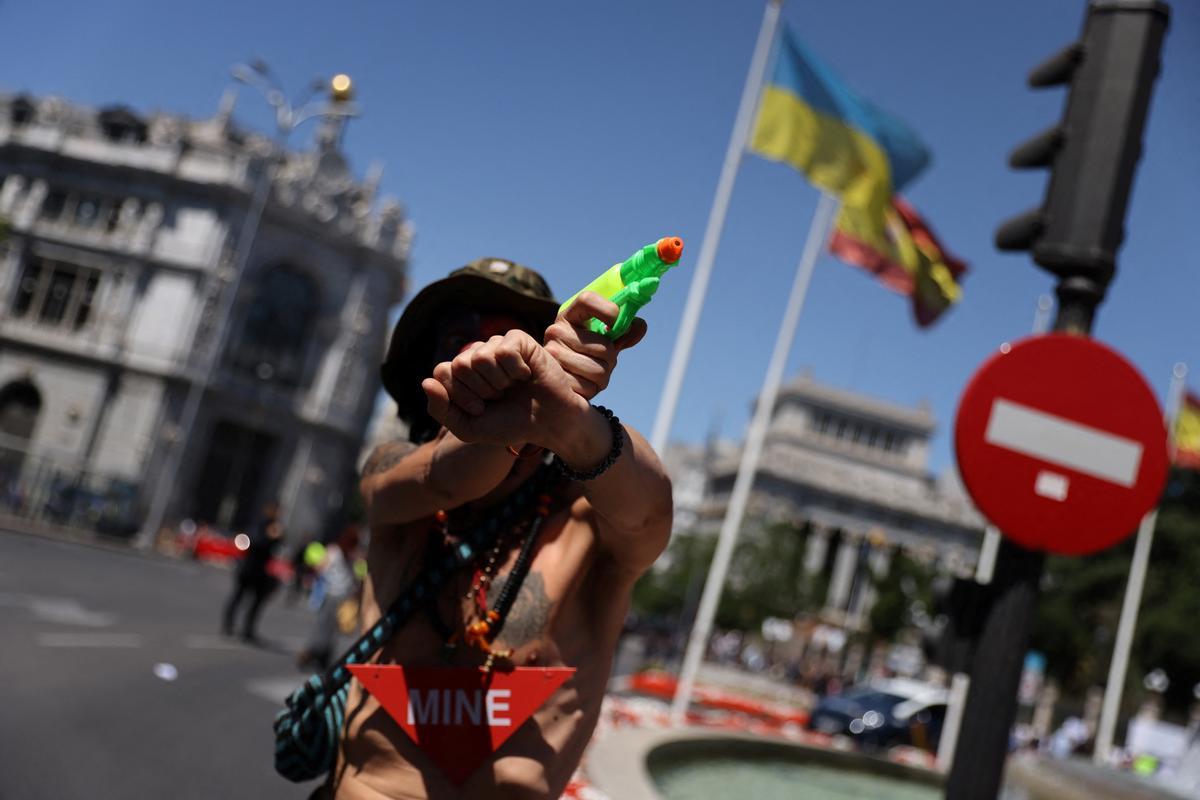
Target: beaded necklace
<point x="482" y="631"/>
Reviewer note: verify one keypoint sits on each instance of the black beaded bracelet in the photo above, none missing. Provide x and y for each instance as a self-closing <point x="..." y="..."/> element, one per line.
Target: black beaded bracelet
<point x="618" y="442"/>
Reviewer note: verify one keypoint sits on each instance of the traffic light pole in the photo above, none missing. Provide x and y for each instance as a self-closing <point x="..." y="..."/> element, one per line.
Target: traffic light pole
<point x="977" y="769"/>
<point x="1075" y="235"/>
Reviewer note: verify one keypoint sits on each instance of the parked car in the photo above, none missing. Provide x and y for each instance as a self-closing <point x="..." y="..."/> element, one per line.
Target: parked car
<point x="210" y="544"/>
<point x="884" y="714"/>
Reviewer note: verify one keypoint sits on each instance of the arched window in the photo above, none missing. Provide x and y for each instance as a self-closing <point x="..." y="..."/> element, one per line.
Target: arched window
<point x="277" y="326"/>
<point x="20" y="403"/>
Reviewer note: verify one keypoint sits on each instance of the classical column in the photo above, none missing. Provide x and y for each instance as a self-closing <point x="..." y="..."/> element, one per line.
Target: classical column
<point x="815" y="549"/>
<point x="878" y="561"/>
<point x="843" y="572"/>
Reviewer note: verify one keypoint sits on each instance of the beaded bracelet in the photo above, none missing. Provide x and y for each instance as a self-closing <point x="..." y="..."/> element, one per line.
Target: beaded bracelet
<point x="618" y="442"/>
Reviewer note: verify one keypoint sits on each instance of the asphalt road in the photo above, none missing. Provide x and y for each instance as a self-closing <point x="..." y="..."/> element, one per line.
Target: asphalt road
<point x="87" y="709"/>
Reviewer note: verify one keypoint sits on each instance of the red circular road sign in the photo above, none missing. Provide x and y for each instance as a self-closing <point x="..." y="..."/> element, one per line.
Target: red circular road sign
<point x="1061" y="443"/>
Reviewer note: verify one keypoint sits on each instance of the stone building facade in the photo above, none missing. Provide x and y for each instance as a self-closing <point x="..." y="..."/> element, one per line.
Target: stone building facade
<point x="121" y="238"/>
<point x="852" y="471"/>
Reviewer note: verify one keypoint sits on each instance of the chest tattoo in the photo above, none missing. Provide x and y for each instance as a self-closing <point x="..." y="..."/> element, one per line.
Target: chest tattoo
<point x="530" y="614"/>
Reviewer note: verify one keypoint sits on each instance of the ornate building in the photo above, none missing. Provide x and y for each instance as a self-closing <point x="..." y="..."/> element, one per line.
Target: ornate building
<point x="852" y="471"/>
<point x="121" y="238"/>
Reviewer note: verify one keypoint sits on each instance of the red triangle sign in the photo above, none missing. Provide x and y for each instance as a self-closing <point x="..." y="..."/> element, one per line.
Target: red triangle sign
<point x="459" y="716"/>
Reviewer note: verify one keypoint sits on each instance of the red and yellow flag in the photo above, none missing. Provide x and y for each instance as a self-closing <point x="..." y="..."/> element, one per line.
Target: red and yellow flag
<point x="907" y="259"/>
<point x="1187" y="433"/>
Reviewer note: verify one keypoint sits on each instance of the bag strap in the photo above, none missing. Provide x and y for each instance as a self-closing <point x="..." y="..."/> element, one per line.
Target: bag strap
<point x="423" y="588"/>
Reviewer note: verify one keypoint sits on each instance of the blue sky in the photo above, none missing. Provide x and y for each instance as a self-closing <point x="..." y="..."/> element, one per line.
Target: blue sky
<point x="565" y="135"/>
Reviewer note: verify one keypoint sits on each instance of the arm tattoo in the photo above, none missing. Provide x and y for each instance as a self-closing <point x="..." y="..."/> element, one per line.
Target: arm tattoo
<point x="386" y="456"/>
<point x="530" y="613"/>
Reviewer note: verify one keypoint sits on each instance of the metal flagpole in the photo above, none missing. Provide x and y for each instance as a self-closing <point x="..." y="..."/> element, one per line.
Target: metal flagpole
<point x="1133" y="596"/>
<point x="712" y="233"/>
<point x="715" y="582"/>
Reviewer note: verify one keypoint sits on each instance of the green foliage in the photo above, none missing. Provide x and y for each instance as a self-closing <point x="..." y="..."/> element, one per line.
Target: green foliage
<point x="1081" y="598"/>
<point x="673" y="587"/>
<point x="766" y="578"/>
<point x="907" y="585"/>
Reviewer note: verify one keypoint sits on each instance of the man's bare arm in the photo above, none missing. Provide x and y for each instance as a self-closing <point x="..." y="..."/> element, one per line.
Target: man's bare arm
<point x="549" y="407"/>
<point x="402" y="482"/>
<point x="631" y="500"/>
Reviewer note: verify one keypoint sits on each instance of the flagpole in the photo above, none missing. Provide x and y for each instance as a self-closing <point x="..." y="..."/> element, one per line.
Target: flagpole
<point x="712" y="232"/>
<point x="1114" y="688"/>
<point x="698" y="640"/>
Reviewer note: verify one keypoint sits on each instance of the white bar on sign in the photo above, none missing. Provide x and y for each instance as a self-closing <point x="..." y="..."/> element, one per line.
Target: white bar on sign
<point x="1064" y="442"/>
<point x="1052" y="485"/>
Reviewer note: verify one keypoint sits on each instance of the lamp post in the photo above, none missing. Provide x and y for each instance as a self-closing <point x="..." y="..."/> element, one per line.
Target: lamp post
<point x="288" y="117"/>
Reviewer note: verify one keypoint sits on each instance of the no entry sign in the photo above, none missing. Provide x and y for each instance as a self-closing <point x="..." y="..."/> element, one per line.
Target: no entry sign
<point x="1061" y="444"/>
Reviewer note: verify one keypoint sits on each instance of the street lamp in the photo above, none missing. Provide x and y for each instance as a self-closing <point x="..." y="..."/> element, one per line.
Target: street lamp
<point x="288" y="117"/>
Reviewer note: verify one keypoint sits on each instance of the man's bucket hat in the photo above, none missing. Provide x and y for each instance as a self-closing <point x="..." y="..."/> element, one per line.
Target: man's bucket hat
<point x="487" y="285"/>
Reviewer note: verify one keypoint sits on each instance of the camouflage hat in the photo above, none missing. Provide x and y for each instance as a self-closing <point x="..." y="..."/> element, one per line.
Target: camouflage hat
<point x="486" y="284"/>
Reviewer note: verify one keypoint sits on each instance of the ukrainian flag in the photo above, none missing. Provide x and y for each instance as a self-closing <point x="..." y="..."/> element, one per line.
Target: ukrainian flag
<point x="845" y="145"/>
<point x="812" y="121"/>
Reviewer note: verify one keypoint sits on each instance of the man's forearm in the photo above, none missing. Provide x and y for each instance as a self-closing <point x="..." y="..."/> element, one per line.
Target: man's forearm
<point x="632" y="497"/>
<point x="404" y="482"/>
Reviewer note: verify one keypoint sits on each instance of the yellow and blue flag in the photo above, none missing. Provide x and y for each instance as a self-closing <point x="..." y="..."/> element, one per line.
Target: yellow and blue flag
<point x="809" y="119"/>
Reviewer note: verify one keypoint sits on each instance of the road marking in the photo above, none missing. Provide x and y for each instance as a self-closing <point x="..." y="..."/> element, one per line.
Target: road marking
<point x="58" y="610"/>
<point x="203" y="641"/>
<point x="1064" y="442"/>
<point x="275" y="690"/>
<point x="89" y="640"/>
<point x="64" y="611"/>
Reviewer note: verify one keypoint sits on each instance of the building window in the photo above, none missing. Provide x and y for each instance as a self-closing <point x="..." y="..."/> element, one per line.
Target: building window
<point x="822" y="422"/>
<point x="84" y="211"/>
<point x="56" y="294"/>
<point x="20" y="404"/>
<point x="20" y="113"/>
<point x="277" y="328"/>
<point x="119" y="124"/>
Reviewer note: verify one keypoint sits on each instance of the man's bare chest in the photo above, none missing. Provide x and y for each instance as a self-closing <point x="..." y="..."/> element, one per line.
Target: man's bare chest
<point x="532" y="614"/>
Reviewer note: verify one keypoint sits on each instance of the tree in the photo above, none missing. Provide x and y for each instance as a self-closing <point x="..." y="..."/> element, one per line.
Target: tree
<point x="1081" y="605"/>
<point x="766" y="579"/>
<point x="905" y="589"/>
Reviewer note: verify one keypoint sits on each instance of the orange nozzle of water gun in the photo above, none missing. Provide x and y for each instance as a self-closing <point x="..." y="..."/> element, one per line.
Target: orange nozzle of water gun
<point x="669" y="249"/>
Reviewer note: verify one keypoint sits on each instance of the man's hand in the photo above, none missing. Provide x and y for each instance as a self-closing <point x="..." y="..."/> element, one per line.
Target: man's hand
<point x="507" y="390"/>
<point x="589" y="358"/>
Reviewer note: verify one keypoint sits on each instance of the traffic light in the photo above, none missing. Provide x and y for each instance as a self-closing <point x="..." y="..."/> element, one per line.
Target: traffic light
<point x="1093" y="152"/>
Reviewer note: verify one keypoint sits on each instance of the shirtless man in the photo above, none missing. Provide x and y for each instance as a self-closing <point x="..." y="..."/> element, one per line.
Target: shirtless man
<point x="490" y="388"/>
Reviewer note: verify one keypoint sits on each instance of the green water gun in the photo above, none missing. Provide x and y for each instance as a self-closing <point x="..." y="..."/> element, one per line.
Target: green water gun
<point x="632" y="283"/>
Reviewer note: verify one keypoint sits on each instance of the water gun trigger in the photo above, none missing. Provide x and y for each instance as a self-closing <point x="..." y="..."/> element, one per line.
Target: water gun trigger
<point x="632" y="283"/>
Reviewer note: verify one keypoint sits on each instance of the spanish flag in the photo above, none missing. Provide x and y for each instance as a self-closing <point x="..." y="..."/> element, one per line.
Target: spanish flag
<point x="813" y="122"/>
<point x="910" y="261"/>
<point x="1187" y="433"/>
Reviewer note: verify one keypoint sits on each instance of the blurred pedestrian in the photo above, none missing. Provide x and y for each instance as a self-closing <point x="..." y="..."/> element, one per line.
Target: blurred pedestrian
<point x="341" y="585"/>
<point x="252" y="580"/>
<point x="303" y="569"/>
